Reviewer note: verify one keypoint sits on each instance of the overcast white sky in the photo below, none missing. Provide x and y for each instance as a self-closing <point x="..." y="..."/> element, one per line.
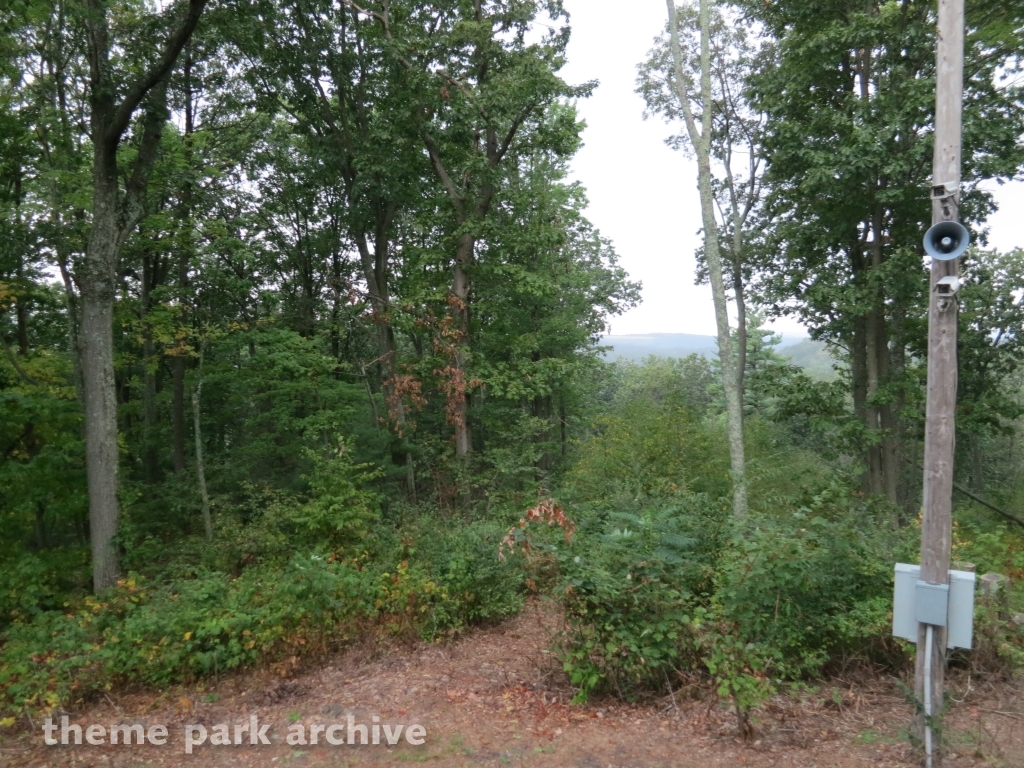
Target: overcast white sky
<point x="643" y="195"/>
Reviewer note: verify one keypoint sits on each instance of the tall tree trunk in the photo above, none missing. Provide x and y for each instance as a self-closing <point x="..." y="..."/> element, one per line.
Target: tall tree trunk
<point x="871" y="410"/>
<point x="110" y="224"/>
<point x="149" y="456"/>
<point x="872" y="318"/>
<point x="376" y="273"/>
<point x="200" y="466"/>
<point x="884" y="457"/>
<point x="178" y="413"/>
<point x="739" y="216"/>
<point x="460" y="314"/>
<point x="889" y="452"/>
<point x="891" y="461"/>
<point x="96" y="276"/>
<point x="389" y="354"/>
<point x="864" y="371"/>
<point x="872" y="336"/>
<point x="179" y="361"/>
<point x="701" y="140"/>
<point x="542" y="411"/>
<point x="897" y="373"/>
<point x="71" y="303"/>
<point x="859" y="386"/>
<point x="20" y="302"/>
<point x="741" y="322"/>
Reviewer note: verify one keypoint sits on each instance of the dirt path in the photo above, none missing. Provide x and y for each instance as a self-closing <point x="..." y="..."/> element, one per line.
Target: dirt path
<point x="496" y="697"/>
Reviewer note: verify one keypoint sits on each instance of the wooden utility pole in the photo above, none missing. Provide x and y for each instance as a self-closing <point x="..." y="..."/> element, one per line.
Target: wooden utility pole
<point x="939" y="431"/>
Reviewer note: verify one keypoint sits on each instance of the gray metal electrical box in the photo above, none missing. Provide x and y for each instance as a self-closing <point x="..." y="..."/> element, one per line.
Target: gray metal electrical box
<point x="931" y="603"/>
<point x="950" y="605"/>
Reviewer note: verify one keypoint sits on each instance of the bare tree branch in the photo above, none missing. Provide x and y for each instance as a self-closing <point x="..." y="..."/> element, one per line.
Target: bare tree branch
<point x="991" y="506"/>
<point x="17" y="366"/>
<point x="442" y="172"/>
<point x="680" y="88"/>
<point x="123" y="114"/>
<point x="134" y="207"/>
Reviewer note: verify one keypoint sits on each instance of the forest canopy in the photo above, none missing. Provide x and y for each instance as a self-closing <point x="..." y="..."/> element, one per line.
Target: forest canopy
<point x="301" y="313"/>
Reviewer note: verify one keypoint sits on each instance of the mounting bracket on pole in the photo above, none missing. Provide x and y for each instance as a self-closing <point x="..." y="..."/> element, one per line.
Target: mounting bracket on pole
<point x="948" y="288"/>
<point x="948" y="195"/>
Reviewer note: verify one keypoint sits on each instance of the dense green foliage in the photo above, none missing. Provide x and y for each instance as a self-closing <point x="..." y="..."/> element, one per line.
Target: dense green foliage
<point x="204" y="621"/>
<point x="661" y="589"/>
<point x="660" y="583"/>
<point x="355" y="323"/>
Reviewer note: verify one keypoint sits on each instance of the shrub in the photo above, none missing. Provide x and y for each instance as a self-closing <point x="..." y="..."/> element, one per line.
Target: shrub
<point x="36" y="582"/>
<point x="164" y="634"/>
<point x="476" y="586"/>
<point x="646" y="450"/>
<point x="428" y="581"/>
<point x="677" y="588"/>
<point x="630" y="584"/>
<point x="341" y="511"/>
<point x="994" y="548"/>
<point x="785" y="584"/>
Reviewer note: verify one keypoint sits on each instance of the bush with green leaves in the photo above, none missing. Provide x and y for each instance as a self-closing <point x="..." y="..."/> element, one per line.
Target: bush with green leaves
<point x="642" y="450"/>
<point x="339" y="513"/>
<point x="630" y="583"/>
<point x="161" y="634"/>
<point x="286" y="575"/>
<point x="423" y="579"/>
<point x="37" y="582"/>
<point x="994" y="547"/>
<point x="341" y="510"/>
<point x="479" y="587"/>
<point x="786" y="584"/>
<point x="676" y="588"/>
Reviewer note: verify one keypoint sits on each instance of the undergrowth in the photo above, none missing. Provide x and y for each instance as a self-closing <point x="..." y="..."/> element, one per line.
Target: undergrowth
<point x="299" y="578"/>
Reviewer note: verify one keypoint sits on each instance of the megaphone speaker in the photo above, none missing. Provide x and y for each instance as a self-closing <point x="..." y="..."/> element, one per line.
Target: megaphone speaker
<point x="947" y="240"/>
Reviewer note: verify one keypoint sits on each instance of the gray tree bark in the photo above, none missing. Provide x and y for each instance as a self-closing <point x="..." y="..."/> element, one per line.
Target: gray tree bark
<point x="179" y="361"/>
<point x="96" y="341"/>
<point x="460" y="309"/>
<point x="112" y="221"/>
<point x="200" y="465"/>
<point x="701" y="140"/>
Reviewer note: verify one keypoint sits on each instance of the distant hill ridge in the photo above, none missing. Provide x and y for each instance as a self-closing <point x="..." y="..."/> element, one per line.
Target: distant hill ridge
<point x="813" y="356"/>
